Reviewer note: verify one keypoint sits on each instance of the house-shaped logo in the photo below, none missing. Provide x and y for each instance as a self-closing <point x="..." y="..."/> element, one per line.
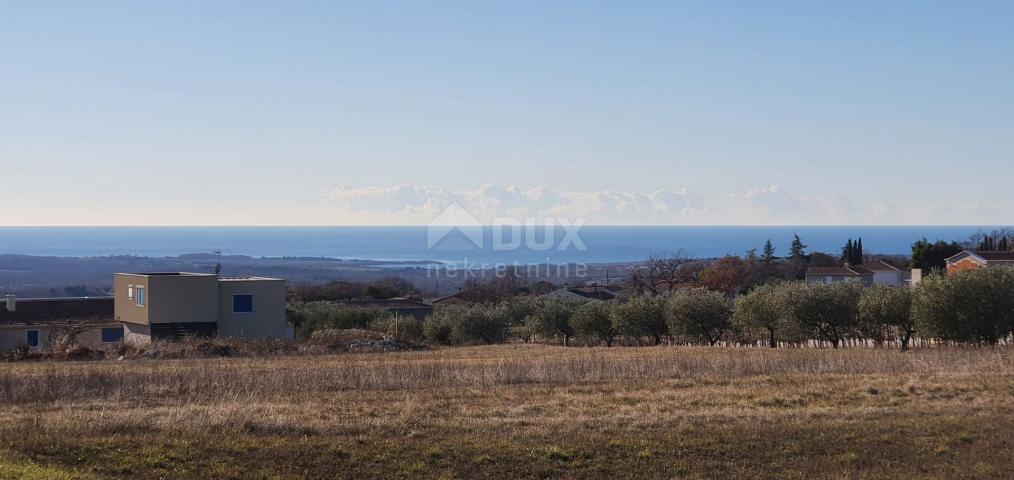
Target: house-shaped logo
<point x="454" y="219"/>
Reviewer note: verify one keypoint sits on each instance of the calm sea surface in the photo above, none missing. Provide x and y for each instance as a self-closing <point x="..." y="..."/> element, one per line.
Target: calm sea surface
<point x="595" y="243"/>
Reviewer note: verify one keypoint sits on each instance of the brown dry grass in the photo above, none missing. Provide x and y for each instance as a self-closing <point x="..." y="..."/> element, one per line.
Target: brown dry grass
<point x="517" y="411"/>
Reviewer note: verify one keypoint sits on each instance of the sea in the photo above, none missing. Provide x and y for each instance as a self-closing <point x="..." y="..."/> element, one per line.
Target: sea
<point x="480" y="245"/>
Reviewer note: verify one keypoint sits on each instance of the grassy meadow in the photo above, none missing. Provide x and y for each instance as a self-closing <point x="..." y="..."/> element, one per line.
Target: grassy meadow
<point x="517" y="411"/>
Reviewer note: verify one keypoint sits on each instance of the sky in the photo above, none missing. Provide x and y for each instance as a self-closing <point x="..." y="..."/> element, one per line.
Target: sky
<point x="387" y="113"/>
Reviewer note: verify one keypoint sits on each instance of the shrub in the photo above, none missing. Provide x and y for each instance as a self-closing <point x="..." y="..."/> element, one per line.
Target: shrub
<point x="481" y="324"/>
<point x="887" y="311"/>
<point x="404" y="327"/>
<point x="437" y="329"/>
<point x="642" y="315"/>
<point x="592" y="320"/>
<point x="699" y="313"/>
<point x="552" y="318"/>
<point x="762" y="311"/>
<point x="826" y="312"/>
<point x="467" y="324"/>
<point x="971" y="305"/>
<point x="308" y="317"/>
<point x="519" y="311"/>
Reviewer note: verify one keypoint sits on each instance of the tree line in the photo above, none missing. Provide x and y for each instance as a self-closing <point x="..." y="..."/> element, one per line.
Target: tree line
<point x="975" y="306"/>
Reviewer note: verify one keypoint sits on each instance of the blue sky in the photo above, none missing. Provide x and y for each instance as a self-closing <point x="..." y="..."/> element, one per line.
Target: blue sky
<point x="330" y="113"/>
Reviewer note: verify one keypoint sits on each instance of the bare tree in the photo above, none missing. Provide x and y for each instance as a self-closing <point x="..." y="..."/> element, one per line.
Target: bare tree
<point x="65" y="335"/>
<point x="500" y="285"/>
<point x="661" y="273"/>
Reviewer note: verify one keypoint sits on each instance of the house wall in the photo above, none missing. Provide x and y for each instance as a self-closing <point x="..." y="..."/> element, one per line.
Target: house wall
<point x="268" y="317"/>
<point x="125" y="308"/>
<point x="866" y="280"/>
<point x="831" y="278"/>
<point x="887" y="277"/>
<point x="182" y="298"/>
<point x="134" y="334"/>
<point x="12" y="338"/>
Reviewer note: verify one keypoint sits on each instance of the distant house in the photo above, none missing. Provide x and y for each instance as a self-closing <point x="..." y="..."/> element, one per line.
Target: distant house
<point x="452" y="299"/>
<point x="180" y="304"/>
<point x="839" y="274"/>
<point x="610" y="287"/>
<point x="585" y="293"/>
<point x="884" y="273"/>
<point x="34" y="322"/>
<point x="969" y="260"/>
<point x="398" y="306"/>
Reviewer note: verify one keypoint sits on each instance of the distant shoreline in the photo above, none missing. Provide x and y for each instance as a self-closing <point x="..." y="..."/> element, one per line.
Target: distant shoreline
<point x="599" y="244"/>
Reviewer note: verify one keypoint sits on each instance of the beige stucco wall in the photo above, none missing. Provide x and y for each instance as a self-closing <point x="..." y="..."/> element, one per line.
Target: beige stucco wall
<point x="168" y="298"/>
<point x="182" y="298"/>
<point x="11" y="338"/>
<point x="268" y="317"/>
<point x="125" y="307"/>
<point x="200" y="298"/>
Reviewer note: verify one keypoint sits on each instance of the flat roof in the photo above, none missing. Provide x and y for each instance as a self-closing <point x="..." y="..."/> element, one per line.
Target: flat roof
<point x="244" y="279"/>
<point x="191" y="274"/>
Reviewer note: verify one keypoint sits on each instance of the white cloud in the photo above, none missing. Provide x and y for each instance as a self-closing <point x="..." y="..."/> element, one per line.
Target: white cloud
<point x="765" y="205"/>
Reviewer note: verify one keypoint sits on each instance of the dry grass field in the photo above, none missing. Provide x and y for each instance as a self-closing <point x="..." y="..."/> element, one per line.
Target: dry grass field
<point x="517" y="411"/>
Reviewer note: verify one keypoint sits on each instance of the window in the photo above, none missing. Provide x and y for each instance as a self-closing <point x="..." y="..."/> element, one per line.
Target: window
<point x="139" y="296"/>
<point x="32" y="337"/>
<point x="111" y="335"/>
<point x="242" y="303"/>
<point x="130" y="292"/>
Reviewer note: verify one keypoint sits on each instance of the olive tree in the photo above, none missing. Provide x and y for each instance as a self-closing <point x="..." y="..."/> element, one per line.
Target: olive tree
<point x="642" y="315"/>
<point x="699" y="313"/>
<point x="970" y="305"/>
<point x="592" y="320"/>
<point x="826" y="312"/>
<point x="467" y="324"/>
<point x="764" y="310"/>
<point x="887" y="311"/>
<point x="308" y="317"/>
<point x="519" y="311"/>
<point x="552" y="318"/>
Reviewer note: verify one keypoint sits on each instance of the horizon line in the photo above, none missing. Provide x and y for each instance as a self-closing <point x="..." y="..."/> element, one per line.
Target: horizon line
<point x="423" y="225"/>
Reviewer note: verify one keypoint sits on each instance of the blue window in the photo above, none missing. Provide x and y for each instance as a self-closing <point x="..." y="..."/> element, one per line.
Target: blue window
<point x="242" y="303"/>
<point x="32" y="337"/>
<point x="110" y="335"/>
<point x="139" y="296"/>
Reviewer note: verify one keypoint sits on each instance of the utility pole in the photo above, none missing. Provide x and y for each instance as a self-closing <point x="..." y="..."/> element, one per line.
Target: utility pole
<point x="218" y="265"/>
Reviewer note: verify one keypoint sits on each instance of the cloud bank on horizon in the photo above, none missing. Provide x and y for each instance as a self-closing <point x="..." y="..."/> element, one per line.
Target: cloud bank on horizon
<point x="768" y="205"/>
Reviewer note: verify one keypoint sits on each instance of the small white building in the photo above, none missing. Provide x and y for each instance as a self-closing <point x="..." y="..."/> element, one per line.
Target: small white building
<point x="839" y="275"/>
<point x="868" y="273"/>
<point x="884" y="273"/>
